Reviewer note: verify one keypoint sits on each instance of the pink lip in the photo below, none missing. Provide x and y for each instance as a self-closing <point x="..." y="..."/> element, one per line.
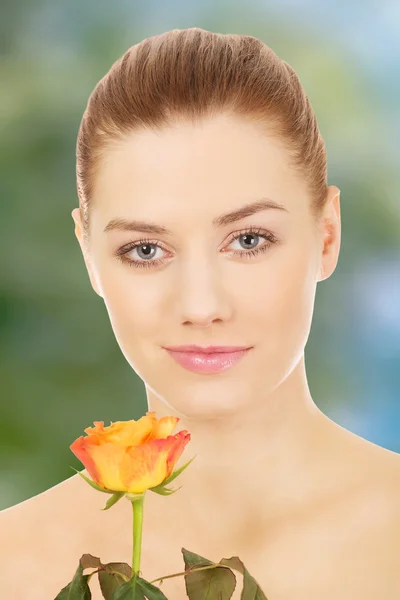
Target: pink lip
<point x="206" y="349"/>
<point x="203" y="362"/>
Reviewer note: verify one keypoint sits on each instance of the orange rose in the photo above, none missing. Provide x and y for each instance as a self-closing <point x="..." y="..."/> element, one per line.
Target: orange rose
<point x="131" y="456"/>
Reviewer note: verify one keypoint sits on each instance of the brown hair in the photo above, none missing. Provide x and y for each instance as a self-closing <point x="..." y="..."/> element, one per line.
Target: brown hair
<point x="184" y="75"/>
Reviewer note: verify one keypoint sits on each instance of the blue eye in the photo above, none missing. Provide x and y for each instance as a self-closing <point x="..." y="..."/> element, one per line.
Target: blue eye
<point x="150" y="248"/>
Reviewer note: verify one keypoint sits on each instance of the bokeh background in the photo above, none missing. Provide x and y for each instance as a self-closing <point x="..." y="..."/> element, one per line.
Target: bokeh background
<point x="61" y="367"/>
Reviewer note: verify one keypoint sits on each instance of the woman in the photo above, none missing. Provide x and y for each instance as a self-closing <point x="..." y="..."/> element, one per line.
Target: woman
<point x="205" y="219"/>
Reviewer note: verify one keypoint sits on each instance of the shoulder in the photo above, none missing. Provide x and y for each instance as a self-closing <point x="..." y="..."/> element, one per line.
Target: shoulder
<point x="381" y="511"/>
<point x="379" y="506"/>
<point x="383" y="467"/>
<point x="362" y="462"/>
<point x="44" y="534"/>
<point x="359" y="526"/>
<point x="369" y="492"/>
<point x="391" y="486"/>
<point x="379" y="473"/>
<point x="32" y="514"/>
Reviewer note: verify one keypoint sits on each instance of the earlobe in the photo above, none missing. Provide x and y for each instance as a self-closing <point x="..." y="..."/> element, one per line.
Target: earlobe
<point x="331" y="234"/>
<point x="79" y="230"/>
<point x="78" y="225"/>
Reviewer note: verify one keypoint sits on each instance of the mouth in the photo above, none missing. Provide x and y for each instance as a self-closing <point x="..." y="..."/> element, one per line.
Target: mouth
<point x="208" y="362"/>
<point x="206" y="349"/>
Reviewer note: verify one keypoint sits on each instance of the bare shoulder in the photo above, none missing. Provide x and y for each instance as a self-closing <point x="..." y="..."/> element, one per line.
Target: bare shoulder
<point x="390" y="481"/>
<point x="375" y="525"/>
<point x="383" y="465"/>
<point x="378" y="468"/>
<point x="359" y="460"/>
<point x="45" y="534"/>
<point x="368" y="497"/>
<point x="379" y="497"/>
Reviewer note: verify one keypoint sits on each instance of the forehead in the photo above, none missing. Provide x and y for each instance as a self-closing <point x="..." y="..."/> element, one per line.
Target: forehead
<point x="213" y="165"/>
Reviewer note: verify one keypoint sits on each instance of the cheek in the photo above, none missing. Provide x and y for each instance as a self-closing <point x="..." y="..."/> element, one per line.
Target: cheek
<point x="131" y="298"/>
<point x="297" y="301"/>
<point x="134" y="308"/>
<point x="282" y="301"/>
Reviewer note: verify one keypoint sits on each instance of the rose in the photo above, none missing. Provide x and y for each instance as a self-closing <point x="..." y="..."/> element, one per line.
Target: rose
<point x="129" y="458"/>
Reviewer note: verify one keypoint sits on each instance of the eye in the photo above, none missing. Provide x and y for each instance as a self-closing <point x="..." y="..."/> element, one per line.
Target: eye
<point x="147" y="249"/>
<point x="250" y="238"/>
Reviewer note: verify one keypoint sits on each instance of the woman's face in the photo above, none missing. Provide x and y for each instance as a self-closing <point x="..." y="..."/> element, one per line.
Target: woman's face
<point x="202" y="283"/>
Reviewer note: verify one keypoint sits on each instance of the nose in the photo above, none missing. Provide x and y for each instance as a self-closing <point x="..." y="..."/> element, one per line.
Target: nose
<point x="202" y="296"/>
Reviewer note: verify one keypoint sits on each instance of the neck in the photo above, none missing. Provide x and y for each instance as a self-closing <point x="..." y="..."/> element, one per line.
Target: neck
<point x="269" y="458"/>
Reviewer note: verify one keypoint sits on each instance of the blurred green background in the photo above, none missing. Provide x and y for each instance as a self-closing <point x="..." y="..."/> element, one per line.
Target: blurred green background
<point x="61" y="367"/>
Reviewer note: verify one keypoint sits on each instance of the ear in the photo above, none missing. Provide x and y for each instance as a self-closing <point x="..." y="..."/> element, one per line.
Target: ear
<point x="76" y="215"/>
<point x="330" y="230"/>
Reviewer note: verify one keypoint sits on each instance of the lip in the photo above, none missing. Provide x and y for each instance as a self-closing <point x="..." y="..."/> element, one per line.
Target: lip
<point x="205" y="349"/>
<point x="207" y="362"/>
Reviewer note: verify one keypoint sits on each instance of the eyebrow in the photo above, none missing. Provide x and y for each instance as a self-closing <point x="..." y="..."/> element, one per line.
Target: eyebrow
<point x="120" y="224"/>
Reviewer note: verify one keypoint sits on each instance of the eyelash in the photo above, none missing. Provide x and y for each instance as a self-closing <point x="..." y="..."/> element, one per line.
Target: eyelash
<point x="120" y="254"/>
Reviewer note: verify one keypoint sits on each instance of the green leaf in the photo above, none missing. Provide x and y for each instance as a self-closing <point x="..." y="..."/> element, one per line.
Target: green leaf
<point x="110" y="579"/>
<point x="93" y="484"/>
<point x="251" y="589"/>
<point x="113" y="500"/>
<point x="151" y="591"/>
<point x="217" y="582"/>
<point x="88" y="561"/>
<point x="191" y="559"/>
<point x="129" y="591"/>
<point x="77" y="589"/>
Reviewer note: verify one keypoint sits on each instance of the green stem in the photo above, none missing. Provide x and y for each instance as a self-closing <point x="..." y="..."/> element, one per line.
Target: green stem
<point x="137" y="506"/>
<point x="124" y="577"/>
<point x="190" y="570"/>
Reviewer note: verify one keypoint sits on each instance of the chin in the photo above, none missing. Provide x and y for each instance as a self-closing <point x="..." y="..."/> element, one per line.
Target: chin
<point x="207" y="404"/>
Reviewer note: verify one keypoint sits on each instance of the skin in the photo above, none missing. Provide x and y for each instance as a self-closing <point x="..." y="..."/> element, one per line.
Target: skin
<point x="256" y="422"/>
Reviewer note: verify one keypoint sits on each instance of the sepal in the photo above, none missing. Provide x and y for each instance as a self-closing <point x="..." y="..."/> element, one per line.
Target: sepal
<point x="162" y="489"/>
<point x="113" y="500"/>
<point x="95" y="485"/>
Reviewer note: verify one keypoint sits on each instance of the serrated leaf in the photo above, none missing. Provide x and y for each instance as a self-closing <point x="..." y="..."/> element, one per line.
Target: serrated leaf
<point x="113" y="500"/>
<point x="218" y="582"/>
<point x="77" y="589"/>
<point x="120" y="567"/>
<point x="129" y="591"/>
<point x="191" y="559"/>
<point x="110" y="580"/>
<point x="151" y="591"/>
<point x="88" y="561"/>
<point x="251" y="589"/>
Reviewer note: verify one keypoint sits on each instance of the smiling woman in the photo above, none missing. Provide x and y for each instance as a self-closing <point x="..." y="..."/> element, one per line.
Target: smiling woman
<point x="208" y="143"/>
